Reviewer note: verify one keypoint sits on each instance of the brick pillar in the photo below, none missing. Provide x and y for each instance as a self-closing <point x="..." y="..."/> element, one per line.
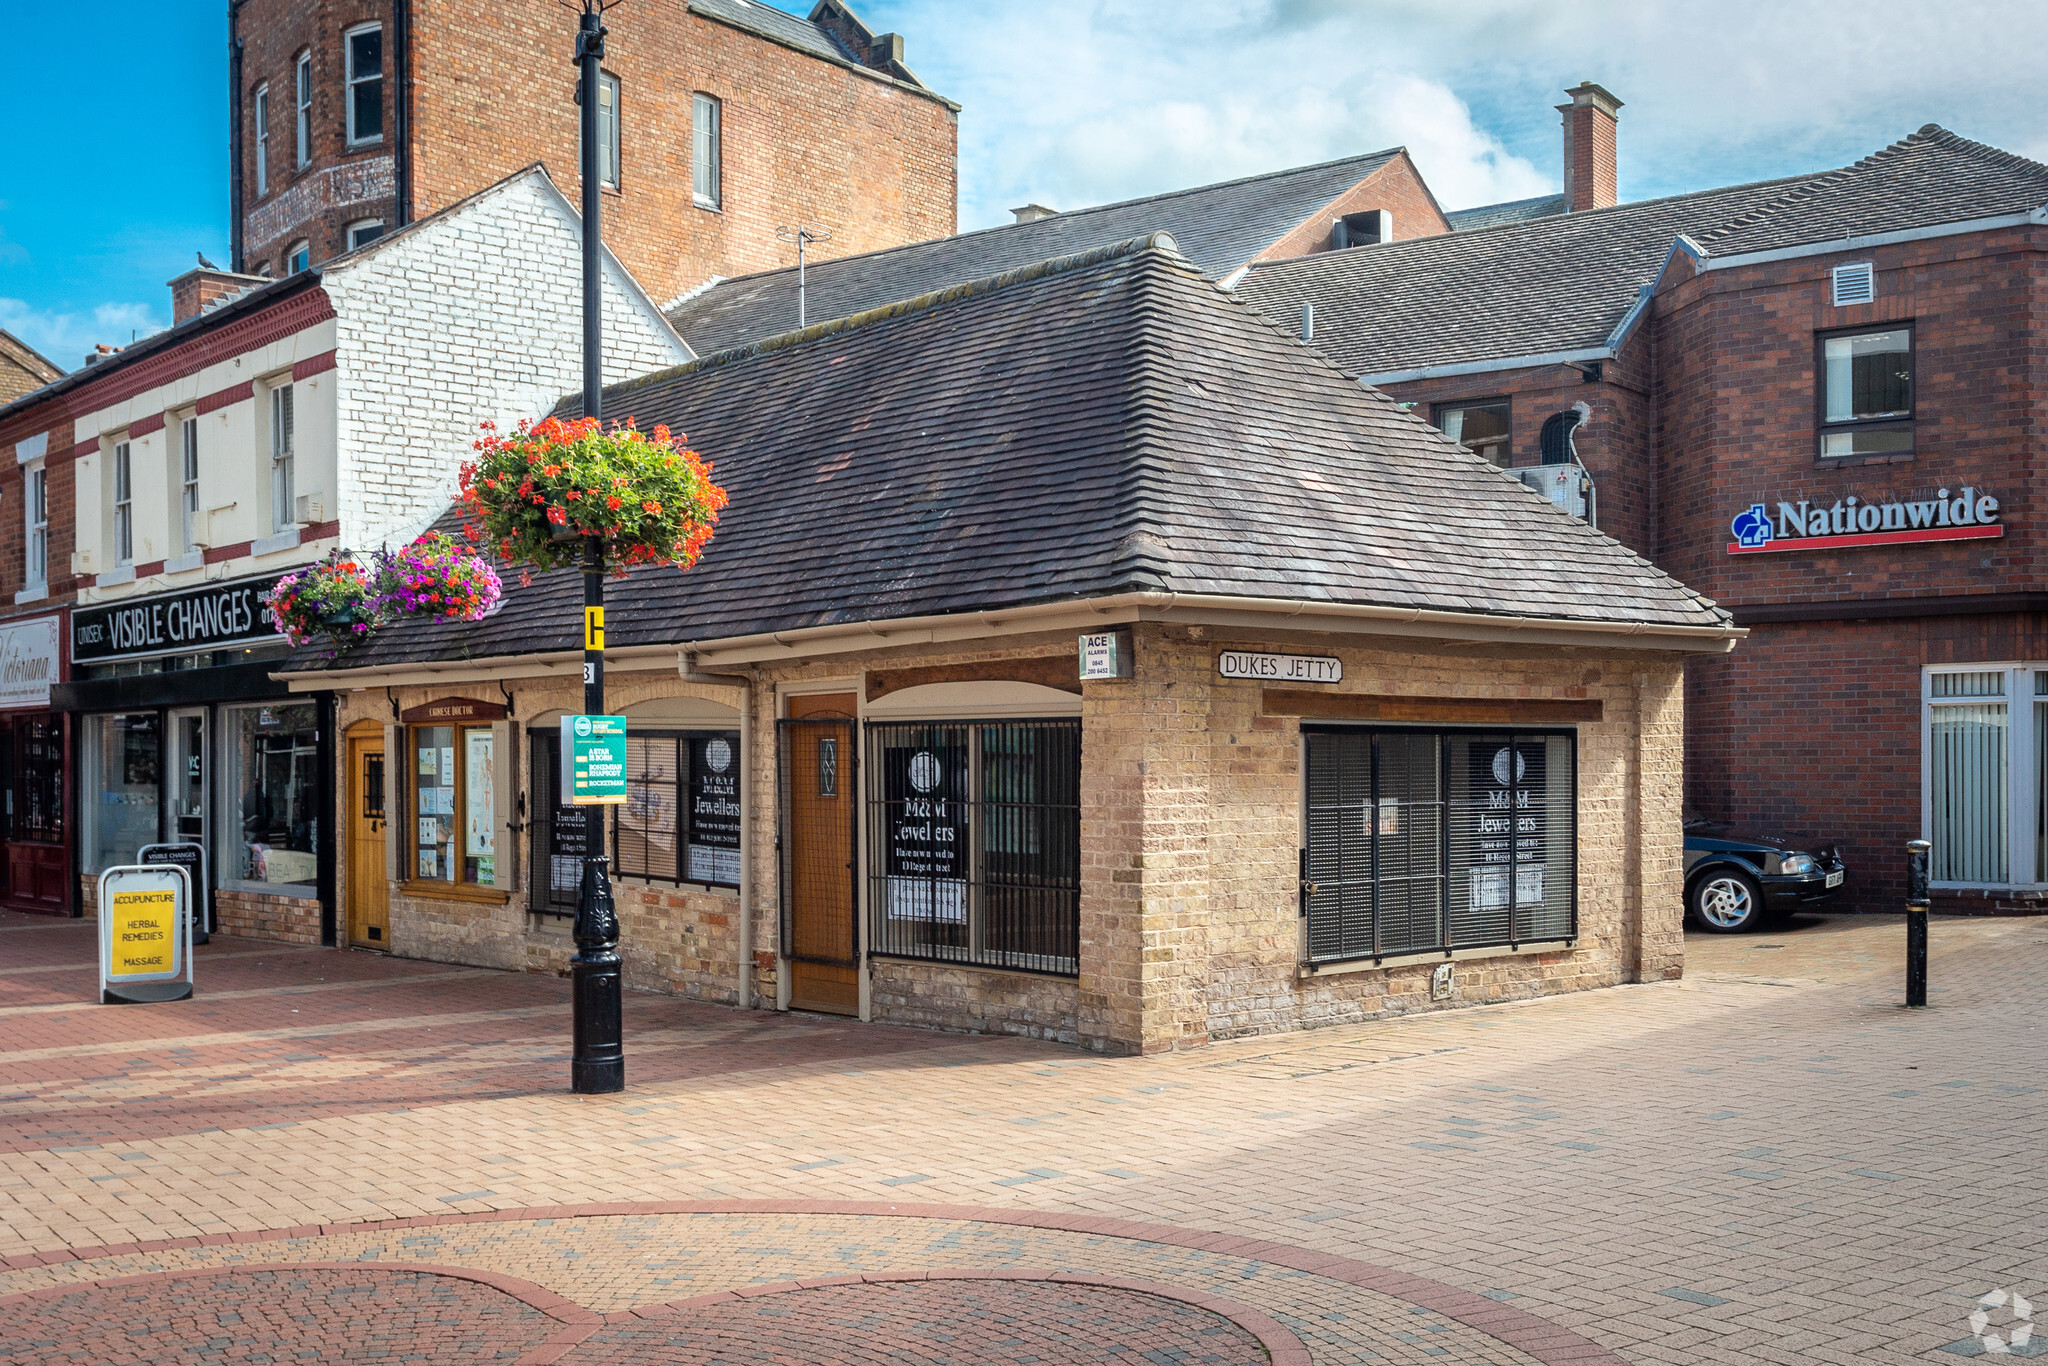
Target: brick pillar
<point x="1589" y="147"/>
<point x="1655" y="914"/>
<point x="1145" y="773"/>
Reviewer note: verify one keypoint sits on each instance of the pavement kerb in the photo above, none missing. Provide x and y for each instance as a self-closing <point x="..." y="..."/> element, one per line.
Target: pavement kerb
<point x="1547" y="1342"/>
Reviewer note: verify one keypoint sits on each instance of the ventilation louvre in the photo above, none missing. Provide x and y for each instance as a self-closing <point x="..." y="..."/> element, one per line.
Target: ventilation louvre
<point x="1855" y="284"/>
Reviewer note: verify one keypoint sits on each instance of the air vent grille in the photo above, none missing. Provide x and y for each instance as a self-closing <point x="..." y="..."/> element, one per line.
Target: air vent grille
<point x="1855" y="284"/>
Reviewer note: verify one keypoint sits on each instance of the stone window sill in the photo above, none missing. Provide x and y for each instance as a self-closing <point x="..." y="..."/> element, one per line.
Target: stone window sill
<point x="287" y="889"/>
<point x="39" y="593"/>
<point x="454" y="891"/>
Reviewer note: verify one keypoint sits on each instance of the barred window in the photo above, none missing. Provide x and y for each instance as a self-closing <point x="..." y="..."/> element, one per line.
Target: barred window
<point x="1424" y="841"/>
<point x="681" y="819"/>
<point x="975" y="836"/>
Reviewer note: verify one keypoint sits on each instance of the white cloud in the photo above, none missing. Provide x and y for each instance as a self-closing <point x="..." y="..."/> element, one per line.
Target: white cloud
<point x="65" y="337"/>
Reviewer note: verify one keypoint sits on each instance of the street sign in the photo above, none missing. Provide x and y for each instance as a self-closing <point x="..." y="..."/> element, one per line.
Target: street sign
<point x="145" y="934"/>
<point x="593" y="760"/>
<point x="190" y="856"/>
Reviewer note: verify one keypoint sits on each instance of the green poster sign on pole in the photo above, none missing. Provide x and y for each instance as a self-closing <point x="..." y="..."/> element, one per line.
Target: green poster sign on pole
<point x="593" y="760"/>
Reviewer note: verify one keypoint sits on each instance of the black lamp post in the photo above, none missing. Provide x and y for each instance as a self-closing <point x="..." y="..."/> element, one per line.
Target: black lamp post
<point x="598" y="1062"/>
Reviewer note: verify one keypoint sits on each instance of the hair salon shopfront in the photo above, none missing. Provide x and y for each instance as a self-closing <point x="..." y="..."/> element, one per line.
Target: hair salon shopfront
<point x="181" y="735"/>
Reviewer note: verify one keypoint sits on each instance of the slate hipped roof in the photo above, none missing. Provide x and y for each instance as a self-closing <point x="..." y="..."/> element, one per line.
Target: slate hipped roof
<point x="1565" y="283"/>
<point x="1100" y="424"/>
<point x="1219" y="228"/>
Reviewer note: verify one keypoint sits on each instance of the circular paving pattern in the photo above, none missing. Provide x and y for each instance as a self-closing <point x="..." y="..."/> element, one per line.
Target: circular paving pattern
<point x="297" y="1315"/>
<point x="930" y="1323"/>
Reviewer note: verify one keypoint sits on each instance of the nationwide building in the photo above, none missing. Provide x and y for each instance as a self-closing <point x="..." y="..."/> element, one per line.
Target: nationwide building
<point x="160" y="492"/>
<point x="720" y="121"/>
<point x="1817" y="400"/>
<point x="1079" y="656"/>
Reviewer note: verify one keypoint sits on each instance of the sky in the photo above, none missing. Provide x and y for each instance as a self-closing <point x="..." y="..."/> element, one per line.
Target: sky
<point x="1078" y="102"/>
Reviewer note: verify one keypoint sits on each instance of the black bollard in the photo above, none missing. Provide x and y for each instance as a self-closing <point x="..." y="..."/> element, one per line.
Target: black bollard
<point x="1916" y="922"/>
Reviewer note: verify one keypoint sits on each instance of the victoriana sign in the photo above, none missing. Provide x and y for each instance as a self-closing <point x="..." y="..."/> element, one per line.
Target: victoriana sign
<point x="1804" y="525"/>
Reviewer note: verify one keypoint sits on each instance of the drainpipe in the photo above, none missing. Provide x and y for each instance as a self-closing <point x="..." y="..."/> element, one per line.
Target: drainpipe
<point x="401" y="106"/>
<point x="686" y="666"/>
<point x="235" y="244"/>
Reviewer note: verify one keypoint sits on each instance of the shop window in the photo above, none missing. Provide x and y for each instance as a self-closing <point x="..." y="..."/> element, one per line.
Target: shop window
<point x="681" y="819"/>
<point x="1481" y="427"/>
<point x="274" y="758"/>
<point x="1866" y="392"/>
<point x="119" y="787"/>
<point x="364" y="48"/>
<point x="262" y="109"/>
<point x="302" y="103"/>
<point x="36" y="801"/>
<point x="559" y="832"/>
<point x="974" y="835"/>
<point x="36" y="545"/>
<point x="453" y="780"/>
<point x="1422" y="841"/>
<point x="1986" y="743"/>
<point x="707" y="152"/>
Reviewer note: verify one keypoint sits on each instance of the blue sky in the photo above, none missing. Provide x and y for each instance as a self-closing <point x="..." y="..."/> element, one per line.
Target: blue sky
<point x="1076" y="102"/>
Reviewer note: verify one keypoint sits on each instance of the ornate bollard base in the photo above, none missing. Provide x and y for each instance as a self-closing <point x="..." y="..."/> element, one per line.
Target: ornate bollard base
<point x="598" y="1059"/>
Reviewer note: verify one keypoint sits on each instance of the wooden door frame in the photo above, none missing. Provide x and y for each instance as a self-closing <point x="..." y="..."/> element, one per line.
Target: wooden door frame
<point x="851" y="688"/>
<point x="360" y="734"/>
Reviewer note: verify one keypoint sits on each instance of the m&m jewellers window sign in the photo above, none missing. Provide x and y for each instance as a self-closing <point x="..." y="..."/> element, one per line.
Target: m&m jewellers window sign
<point x="1966" y="515"/>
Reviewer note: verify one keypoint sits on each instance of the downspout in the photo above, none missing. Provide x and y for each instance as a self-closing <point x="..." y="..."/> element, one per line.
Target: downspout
<point x="235" y="244"/>
<point x="687" y="668"/>
<point x="401" y="112"/>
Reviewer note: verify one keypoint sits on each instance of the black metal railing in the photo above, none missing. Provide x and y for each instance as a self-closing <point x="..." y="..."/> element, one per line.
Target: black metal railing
<point x="974" y="842"/>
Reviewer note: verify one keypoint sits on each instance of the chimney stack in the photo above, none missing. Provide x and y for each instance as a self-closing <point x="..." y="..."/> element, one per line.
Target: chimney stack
<point x="1589" y="122"/>
<point x="1031" y="213"/>
<point x="198" y="290"/>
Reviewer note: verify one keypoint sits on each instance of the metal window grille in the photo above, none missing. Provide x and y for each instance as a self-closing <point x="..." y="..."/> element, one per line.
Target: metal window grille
<point x="558" y="832"/>
<point x="681" y="819"/>
<point x="974" y="842"/>
<point x="815" y="840"/>
<point x="1425" y="840"/>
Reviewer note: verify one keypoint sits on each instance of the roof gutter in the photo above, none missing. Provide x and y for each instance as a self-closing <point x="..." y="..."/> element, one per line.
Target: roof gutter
<point x="1080" y="613"/>
<point x="1849" y="242"/>
<point x="1483" y="367"/>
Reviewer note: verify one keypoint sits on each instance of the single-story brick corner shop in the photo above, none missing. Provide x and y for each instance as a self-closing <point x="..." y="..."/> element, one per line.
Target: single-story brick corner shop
<point x="1393" y="731"/>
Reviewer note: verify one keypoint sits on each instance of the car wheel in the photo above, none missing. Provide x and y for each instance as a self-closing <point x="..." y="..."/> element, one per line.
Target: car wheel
<point x="1725" y="902"/>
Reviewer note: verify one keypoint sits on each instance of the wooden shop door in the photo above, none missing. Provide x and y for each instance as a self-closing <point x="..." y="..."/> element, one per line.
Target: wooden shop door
<point x="818" y="802"/>
<point x="369" y="893"/>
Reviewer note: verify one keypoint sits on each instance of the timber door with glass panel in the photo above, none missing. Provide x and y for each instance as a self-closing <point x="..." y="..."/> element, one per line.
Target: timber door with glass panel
<point x="816" y="812"/>
<point x="369" y="889"/>
<point x="974" y="842"/>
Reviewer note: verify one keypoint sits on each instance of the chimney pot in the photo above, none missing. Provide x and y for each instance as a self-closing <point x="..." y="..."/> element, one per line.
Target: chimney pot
<point x="1031" y="213"/>
<point x="885" y="49"/>
<point x="1589" y="144"/>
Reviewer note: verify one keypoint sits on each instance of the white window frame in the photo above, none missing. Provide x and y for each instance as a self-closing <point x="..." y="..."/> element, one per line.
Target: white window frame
<point x="261" y="102"/>
<point x="302" y="115"/>
<point x="282" y="456"/>
<point x="350" y="81"/>
<point x="188" y="482"/>
<point x="299" y="258"/>
<point x="122" y="468"/>
<point x="611" y="157"/>
<point x="707" y="151"/>
<point x="35" y="481"/>
<point x="2022" y="797"/>
<point x="358" y="226"/>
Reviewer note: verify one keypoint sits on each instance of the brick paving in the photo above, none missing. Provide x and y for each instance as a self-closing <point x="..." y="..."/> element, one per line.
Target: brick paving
<point x="1767" y="1161"/>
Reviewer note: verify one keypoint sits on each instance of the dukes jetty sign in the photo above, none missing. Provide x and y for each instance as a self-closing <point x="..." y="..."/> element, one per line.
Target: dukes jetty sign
<point x="1968" y="515"/>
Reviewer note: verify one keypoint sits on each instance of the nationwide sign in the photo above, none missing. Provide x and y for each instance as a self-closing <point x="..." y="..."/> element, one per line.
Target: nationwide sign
<point x="177" y="623"/>
<point x="1849" y="523"/>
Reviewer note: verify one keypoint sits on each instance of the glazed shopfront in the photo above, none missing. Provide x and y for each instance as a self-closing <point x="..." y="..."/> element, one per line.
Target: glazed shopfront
<point x="36" y="872"/>
<point x="182" y="736"/>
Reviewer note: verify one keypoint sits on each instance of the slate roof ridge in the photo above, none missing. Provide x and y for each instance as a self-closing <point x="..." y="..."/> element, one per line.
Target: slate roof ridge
<point x="1927" y="135"/>
<point x="1382" y="156"/>
<point x="1057" y="265"/>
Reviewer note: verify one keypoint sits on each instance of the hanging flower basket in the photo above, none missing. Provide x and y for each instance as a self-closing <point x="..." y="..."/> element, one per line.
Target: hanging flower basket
<point x="537" y="496"/>
<point x="436" y="578"/>
<point x="332" y="598"/>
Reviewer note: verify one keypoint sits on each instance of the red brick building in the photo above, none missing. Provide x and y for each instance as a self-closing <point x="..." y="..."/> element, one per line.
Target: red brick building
<point x="1818" y="401"/>
<point x="721" y="121"/>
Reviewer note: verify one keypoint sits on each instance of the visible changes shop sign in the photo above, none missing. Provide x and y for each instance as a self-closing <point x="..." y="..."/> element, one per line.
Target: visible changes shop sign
<point x="1965" y="515"/>
<point x="199" y="619"/>
<point x="29" y="652"/>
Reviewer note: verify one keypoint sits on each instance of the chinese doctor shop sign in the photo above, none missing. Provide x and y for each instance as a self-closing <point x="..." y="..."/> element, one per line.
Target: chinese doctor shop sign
<point x="1964" y="514"/>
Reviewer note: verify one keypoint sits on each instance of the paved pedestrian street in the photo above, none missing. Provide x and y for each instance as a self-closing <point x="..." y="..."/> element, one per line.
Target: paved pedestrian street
<point x="332" y="1156"/>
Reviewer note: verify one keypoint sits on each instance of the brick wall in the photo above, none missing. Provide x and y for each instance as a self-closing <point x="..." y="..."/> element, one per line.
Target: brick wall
<point x="1396" y="187"/>
<point x="804" y="139"/>
<point x="255" y="915"/>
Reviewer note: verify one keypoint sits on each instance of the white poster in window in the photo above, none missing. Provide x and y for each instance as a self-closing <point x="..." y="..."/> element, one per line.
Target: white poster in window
<point x="1490" y="887"/>
<point x="447" y="765"/>
<point x="437" y="801"/>
<point x="481" y="798"/>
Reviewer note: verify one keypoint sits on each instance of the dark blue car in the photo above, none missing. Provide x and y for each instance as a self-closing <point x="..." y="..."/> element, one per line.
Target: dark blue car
<point x="1736" y="881"/>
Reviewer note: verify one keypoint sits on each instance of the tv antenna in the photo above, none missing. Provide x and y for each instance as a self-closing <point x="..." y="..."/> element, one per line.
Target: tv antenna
<point x="803" y="234"/>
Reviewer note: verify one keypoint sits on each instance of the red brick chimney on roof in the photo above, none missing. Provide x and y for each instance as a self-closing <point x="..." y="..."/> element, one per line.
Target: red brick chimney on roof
<point x="1589" y="147"/>
<point x="197" y="290"/>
